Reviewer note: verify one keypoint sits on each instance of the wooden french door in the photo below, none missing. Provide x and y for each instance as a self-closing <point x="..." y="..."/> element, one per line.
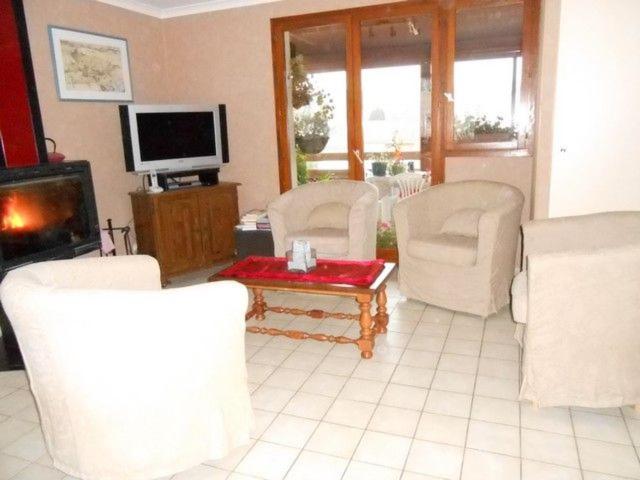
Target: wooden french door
<point x="354" y="87"/>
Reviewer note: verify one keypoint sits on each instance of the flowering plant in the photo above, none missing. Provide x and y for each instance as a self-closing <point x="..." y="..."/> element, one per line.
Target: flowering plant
<point x="386" y="235"/>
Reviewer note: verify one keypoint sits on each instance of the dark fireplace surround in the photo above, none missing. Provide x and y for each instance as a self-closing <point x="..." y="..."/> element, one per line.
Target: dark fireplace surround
<point x="47" y="212"/>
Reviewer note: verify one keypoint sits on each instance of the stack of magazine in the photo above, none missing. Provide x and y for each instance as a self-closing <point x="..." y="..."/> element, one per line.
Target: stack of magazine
<point x="254" y="220"/>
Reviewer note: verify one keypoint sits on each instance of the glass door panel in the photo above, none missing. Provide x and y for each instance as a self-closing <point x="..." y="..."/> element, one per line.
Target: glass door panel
<point x="487" y="74"/>
<point x="395" y="84"/>
<point x="316" y="73"/>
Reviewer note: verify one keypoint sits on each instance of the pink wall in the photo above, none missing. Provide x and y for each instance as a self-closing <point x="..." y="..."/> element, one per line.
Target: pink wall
<point x="217" y="57"/>
<point x="225" y="57"/>
<point x="91" y="130"/>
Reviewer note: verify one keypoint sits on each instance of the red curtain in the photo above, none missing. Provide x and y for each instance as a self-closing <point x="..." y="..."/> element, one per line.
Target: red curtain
<point x="21" y="135"/>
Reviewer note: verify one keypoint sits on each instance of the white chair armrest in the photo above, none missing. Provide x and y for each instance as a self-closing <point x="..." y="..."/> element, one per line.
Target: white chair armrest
<point x="128" y="272"/>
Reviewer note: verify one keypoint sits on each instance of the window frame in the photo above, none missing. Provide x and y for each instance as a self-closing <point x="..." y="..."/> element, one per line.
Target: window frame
<point x="527" y="102"/>
<point x="444" y="35"/>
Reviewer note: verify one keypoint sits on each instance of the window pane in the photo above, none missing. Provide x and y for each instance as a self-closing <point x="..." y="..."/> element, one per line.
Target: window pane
<point x="488" y="74"/>
<point x="396" y="95"/>
<point x="317" y="89"/>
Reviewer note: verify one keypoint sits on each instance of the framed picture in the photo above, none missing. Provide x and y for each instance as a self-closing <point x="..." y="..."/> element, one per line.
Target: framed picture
<point x="89" y="66"/>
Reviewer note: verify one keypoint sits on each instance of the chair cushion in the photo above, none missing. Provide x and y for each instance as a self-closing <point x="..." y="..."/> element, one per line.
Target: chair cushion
<point x="463" y="222"/>
<point x="327" y="241"/>
<point x="448" y="249"/>
<point x="329" y="215"/>
<point x="519" y="297"/>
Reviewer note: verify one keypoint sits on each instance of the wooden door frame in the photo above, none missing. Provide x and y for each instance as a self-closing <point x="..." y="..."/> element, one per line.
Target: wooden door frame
<point x="392" y="10"/>
<point x="351" y="19"/>
<point x="530" y="28"/>
<point x="442" y="58"/>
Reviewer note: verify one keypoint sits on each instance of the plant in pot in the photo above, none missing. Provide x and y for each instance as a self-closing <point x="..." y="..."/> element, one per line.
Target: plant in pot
<point x="379" y="163"/>
<point x="481" y="129"/>
<point x="386" y="242"/>
<point x="302" y="90"/>
<point x="311" y="124"/>
<point x="313" y="108"/>
<point x="396" y="166"/>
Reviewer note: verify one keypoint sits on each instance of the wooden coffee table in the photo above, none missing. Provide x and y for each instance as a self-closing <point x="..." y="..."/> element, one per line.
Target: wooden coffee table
<point x="370" y="325"/>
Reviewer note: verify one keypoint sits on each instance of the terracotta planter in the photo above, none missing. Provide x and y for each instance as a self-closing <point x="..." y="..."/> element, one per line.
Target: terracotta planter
<point x="387" y="254"/>
<point x="312" y="144"/>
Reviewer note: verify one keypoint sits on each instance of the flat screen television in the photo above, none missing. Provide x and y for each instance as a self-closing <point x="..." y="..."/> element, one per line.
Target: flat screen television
<point x="174" y="138"/>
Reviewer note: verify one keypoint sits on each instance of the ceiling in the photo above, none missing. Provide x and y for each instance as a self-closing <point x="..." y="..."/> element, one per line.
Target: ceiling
<point x="178" y="8"/>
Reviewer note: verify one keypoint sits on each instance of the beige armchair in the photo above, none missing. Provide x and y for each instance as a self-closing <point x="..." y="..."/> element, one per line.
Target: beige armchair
<point x="577" y="308"/>
<point x="131" y="382"/>
<point x="457" y="244"/>
<point x="338" y="218"/>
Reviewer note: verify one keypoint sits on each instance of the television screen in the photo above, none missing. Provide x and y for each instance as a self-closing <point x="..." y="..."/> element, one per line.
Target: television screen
<point x="172" y="135"/>
<point x="174" y="138"/>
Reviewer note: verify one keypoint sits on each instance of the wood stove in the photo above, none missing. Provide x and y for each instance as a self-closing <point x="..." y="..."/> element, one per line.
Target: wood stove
<point x="47" y="212"/>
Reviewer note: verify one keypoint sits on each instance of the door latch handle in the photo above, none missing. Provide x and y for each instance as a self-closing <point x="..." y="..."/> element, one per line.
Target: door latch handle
<point x="356" y="152"/>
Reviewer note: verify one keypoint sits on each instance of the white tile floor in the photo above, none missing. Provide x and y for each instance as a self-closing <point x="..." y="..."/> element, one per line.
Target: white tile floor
<point x="437" y="401"/>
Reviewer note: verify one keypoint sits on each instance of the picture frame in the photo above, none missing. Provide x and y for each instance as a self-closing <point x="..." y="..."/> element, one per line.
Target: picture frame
<point x="89" y="66"/>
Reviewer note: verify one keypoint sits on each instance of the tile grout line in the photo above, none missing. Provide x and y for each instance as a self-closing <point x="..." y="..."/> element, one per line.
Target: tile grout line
<point x="424" y="404"/>
<point x="263" y="383"/>
<point x="473" y="396"/>
<point x="365" y="429"/>
<point x="326" y="412"/>
<point x="626" y="424"/>
<point x="575" y="442"/>
<point x="520" y="377"/>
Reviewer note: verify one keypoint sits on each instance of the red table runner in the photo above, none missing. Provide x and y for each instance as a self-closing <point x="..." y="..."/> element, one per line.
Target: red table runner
<point x="350" y="272"/>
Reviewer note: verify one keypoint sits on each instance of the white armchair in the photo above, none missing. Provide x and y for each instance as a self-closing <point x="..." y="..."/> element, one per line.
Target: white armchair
<point x="577" y="305"/>
<point x="338" y="218"/>
<point x="131" y="382"/>
<point x="457" y="245"/>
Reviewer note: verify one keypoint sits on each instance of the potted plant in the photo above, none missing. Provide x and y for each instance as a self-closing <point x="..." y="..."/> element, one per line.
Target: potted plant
<point x="386" y="242"/>
<point x="481" y="129"/>
<point x="311" y="128"/>
<point x="397" y="166"/>
<point x="379" y="163"/>
<point x="302" y="90"/>
<point x="313" y="109"/>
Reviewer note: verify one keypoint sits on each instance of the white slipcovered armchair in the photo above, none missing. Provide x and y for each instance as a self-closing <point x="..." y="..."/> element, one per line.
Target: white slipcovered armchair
<point x="457" y="244"/>
<point x="131" y="382"/>
<point x="577" y="305"/>
<point x="338" y="218"/>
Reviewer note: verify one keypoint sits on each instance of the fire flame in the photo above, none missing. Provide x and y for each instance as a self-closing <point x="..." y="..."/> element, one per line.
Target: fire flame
<point x="12" y="218"/>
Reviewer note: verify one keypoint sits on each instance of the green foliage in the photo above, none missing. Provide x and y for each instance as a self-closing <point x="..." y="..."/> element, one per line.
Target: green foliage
<point x="386" y="236"/>
<point x="302" y="88"/>
<point x="313" y="108"/>
<point x="301" y="167"/>
<point x="313" y="120"/>
<point x="471" y="126"/>
<point x="324" y="177"/>
<point x="397" y="167"/>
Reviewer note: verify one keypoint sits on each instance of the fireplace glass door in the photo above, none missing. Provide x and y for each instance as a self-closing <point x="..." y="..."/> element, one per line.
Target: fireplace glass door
<point x="42" y="215"/>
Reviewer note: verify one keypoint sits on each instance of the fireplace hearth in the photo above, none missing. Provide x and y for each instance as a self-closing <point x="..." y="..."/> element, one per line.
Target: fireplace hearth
<point x="47" y="212"/>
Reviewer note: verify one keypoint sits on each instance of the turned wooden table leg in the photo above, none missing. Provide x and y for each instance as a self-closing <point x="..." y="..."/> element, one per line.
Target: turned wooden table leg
<point x="259" y="305"/>
<point x="382" y="317"/>
<point x="366" y="340"/>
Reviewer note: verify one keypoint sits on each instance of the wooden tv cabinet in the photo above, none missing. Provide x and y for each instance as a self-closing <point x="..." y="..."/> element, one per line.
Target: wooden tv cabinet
<point x="187" y="229"/>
